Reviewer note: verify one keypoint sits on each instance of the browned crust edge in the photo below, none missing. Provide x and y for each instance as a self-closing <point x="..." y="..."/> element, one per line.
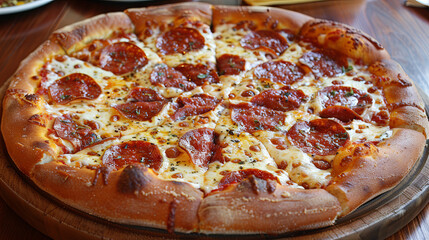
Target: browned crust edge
<point x="161" y="16"/>
<point x="372" y="174"/>
<point x="76" y="36"/>
<point x="25" y="141"/>
<point x="411" y="118"/>
<point x="343" y="39"/>
<point x="29" y="67"/>
<point x="399" y="89"/>
<point x="133" y="195"/>
<point x="405" y="104"/>
<point x="263" y="17"/>
<point x="253" y="206"/>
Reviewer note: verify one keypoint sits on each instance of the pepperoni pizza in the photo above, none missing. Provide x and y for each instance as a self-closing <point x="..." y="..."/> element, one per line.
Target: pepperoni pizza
<point x="213" y="119"/>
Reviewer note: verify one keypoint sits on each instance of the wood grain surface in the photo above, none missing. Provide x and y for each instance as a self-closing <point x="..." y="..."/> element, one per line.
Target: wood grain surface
<point x="403" y="31"/>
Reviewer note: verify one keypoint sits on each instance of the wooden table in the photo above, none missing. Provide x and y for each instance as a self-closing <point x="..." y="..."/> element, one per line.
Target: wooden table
<point x="403" y="31"/>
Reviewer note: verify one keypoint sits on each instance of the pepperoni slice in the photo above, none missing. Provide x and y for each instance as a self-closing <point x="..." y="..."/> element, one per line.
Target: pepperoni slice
<point x="280" y="99"/>
<point x="122" y="57"/>
<point x="229" y="64"/>
<point x="169" y="77"/>
<point x="195" y="105"/>
<point x="74" y="86"/>
<point x="238" y="176"/>
<point x="319" y="137"/>
<point x="140" y="111"/>
<point x="144" y="95"/>
<point x="180" y="40"/>
<point x="172" y="152"/>
<point x="381" y="118"/>
<point x="199" y="144"/>
<point x="352" y="98"/>
<point x="279" y="71"/>
<point x="79" y="135"/>
<point x="321" y="64"/>
<point x="140" y="152"/>
<point x="263" y="39"/>
<point x="198" y="74"/>
<point x="254" y="118"/>
<point x="217" y="153"/>
<point x="341" y="113"/>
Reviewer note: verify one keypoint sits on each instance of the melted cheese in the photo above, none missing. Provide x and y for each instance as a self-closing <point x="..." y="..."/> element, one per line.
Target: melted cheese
<point x="299" y="165"/>
<point x="360" y="131"/>
<point x="228" y="39"/>
<point x="293" y="53"/>
<point x="299" y="168"/>
<point x="240" y="156"/>
<point x="206" y="55"/>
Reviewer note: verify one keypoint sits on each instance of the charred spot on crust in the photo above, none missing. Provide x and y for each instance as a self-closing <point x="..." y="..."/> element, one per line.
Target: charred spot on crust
<point x="31" y="98"/>
<point x="38" y="120"/>
<point x="258" y="185"/>
<point x="131" y="180"/>
<point x="41" y="145"/>
<point x="271" y="186"/>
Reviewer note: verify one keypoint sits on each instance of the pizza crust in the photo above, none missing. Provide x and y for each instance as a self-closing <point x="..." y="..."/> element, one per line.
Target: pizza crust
<point x="25" y="130"/>
<point x="374" y="170"/>
<point x="263" y="17"/>
<point x="24" y="139"/>
<point x="406" y="106"/>
<point x="259" y="206"/>
<point x="22" y="79"/>
<point x="133" y="195"/>
<point x="145" y="19"/>
<point x="399" y="89"/>
<point x="410" y="117"/>
<point x="343" y="39"/>
<point x="76" y="36"/>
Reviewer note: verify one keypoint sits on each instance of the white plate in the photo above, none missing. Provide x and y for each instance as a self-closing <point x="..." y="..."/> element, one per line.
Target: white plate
<point x="424" y="2"/>
<point x="23" y="7"/>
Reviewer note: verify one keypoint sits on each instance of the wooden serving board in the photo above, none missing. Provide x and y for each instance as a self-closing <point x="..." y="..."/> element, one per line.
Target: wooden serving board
<point x="377" y="219"/>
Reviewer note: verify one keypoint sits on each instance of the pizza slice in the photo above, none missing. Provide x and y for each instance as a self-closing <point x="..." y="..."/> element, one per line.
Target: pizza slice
<point x="237" y="156"/>
<point x="117" y="49"/>
<point x="28" y="107"/>
<point x="362" y="101"/>
<point x="108" y="42"/>
<point x="246" y="191"/>
<point x="182" y="37"/>
<point x="247" y="37"/>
